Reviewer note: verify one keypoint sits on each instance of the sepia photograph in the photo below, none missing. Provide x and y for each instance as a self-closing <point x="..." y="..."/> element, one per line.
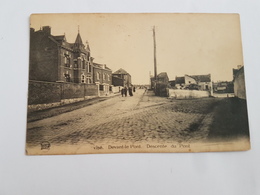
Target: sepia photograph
<point x="136" y="83"/>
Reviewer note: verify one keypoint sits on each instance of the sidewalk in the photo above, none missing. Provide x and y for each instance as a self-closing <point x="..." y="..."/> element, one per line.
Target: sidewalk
<point x="42" y="114"/>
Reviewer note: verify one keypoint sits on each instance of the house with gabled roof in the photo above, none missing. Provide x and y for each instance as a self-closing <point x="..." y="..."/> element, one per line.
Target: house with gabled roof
<point x="54" y="59"/>
<point x="121" y="78"/>
<point x="202" y="82"/>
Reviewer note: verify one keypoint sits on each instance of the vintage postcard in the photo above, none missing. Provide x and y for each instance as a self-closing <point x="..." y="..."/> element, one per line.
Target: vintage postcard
<point x="136" y="83"/>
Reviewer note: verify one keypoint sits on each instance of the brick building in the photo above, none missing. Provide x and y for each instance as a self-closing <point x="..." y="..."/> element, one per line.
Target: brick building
<point x="102" y="75"/>
<point x="54" y="59"/>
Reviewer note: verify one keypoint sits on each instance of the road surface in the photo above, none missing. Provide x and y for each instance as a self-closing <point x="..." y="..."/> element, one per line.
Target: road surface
<point x="142" y="117"/>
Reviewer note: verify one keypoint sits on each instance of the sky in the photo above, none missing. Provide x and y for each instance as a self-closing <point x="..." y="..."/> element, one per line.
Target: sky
<point x="192" y="44"/>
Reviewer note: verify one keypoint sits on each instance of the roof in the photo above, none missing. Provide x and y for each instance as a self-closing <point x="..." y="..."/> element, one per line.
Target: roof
<point x="61" y="40"/>
<point x="117" y="77"/>
<point x="179" y="80"/>
<point x="59" y="37"/>
<point x="201" y="78"/>
<point x="78" y="40"/>
<point x="101" y="66"/>
<point x="121" y="71"/>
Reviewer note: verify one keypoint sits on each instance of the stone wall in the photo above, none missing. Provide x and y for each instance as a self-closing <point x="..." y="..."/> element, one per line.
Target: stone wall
<point x="187" y="94"/>
<point x="91" y="90"/>
<point x="40" y="92"/>
<point x="72" y="90"/>
<point x="43" y="95"/>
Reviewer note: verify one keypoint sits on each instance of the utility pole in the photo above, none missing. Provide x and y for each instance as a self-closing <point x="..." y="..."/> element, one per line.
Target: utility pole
<point x="155" y="63"/>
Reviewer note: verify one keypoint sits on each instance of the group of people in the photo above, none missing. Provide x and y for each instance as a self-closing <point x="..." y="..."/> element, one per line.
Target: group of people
<point x="130" y="90"/>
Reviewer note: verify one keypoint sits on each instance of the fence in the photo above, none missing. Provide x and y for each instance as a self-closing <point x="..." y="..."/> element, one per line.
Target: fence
<point x="43" y="95"/>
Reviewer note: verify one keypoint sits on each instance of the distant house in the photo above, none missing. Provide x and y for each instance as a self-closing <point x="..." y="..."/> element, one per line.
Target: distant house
<point x="172" y="83"/>
<point x="200" y="82"/>
<point x="239" y="83"/>
<point x="121" y="78"/>
<point x="179" y="82"/>
<point x="203" y="81"/>
<point x="117" y="81"/>
<point x="223" y="87"/>
<point x="102" y="76"/>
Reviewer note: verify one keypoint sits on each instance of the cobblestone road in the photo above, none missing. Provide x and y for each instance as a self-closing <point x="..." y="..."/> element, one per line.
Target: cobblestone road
<point x="142" y="117"/>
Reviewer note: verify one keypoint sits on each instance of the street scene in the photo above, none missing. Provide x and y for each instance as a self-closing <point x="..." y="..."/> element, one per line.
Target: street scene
<point x="84" y="100"/>
<point x="142" y="117"/>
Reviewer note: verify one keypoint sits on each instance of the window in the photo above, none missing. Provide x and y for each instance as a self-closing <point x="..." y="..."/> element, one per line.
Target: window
<point x="82" y="78"/>
<point x="67" y="76"/>
<point x="67" y="59"/>
<point x="89" y="68"/>
<point x="83" y="64"/>
<point x="98" y="76"/>
<point x="108" y="77"/>
<point x="83" y="61"/>
<point x="101" y="87"/>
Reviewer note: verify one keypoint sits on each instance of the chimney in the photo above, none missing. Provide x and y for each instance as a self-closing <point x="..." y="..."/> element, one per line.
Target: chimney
<point x="46" y="29"/>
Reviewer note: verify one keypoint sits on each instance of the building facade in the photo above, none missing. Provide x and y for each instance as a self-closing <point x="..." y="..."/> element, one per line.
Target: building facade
<point x="239" y="82"/>
<point x="121" y="78"/>
<point x="199" y="82"/>
<point x="54" y="59"/>
<point x="102" y="75"/>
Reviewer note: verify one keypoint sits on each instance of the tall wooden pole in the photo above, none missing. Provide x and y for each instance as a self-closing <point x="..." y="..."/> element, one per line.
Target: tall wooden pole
<point x="155" y="65"/>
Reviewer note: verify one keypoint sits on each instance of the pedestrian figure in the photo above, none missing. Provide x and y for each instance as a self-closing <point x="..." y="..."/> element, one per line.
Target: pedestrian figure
<point x="134" y="89"/>
<point x="130" y="91"/>
<point x="125" y="90"/>
<point x="122" y="92"/>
